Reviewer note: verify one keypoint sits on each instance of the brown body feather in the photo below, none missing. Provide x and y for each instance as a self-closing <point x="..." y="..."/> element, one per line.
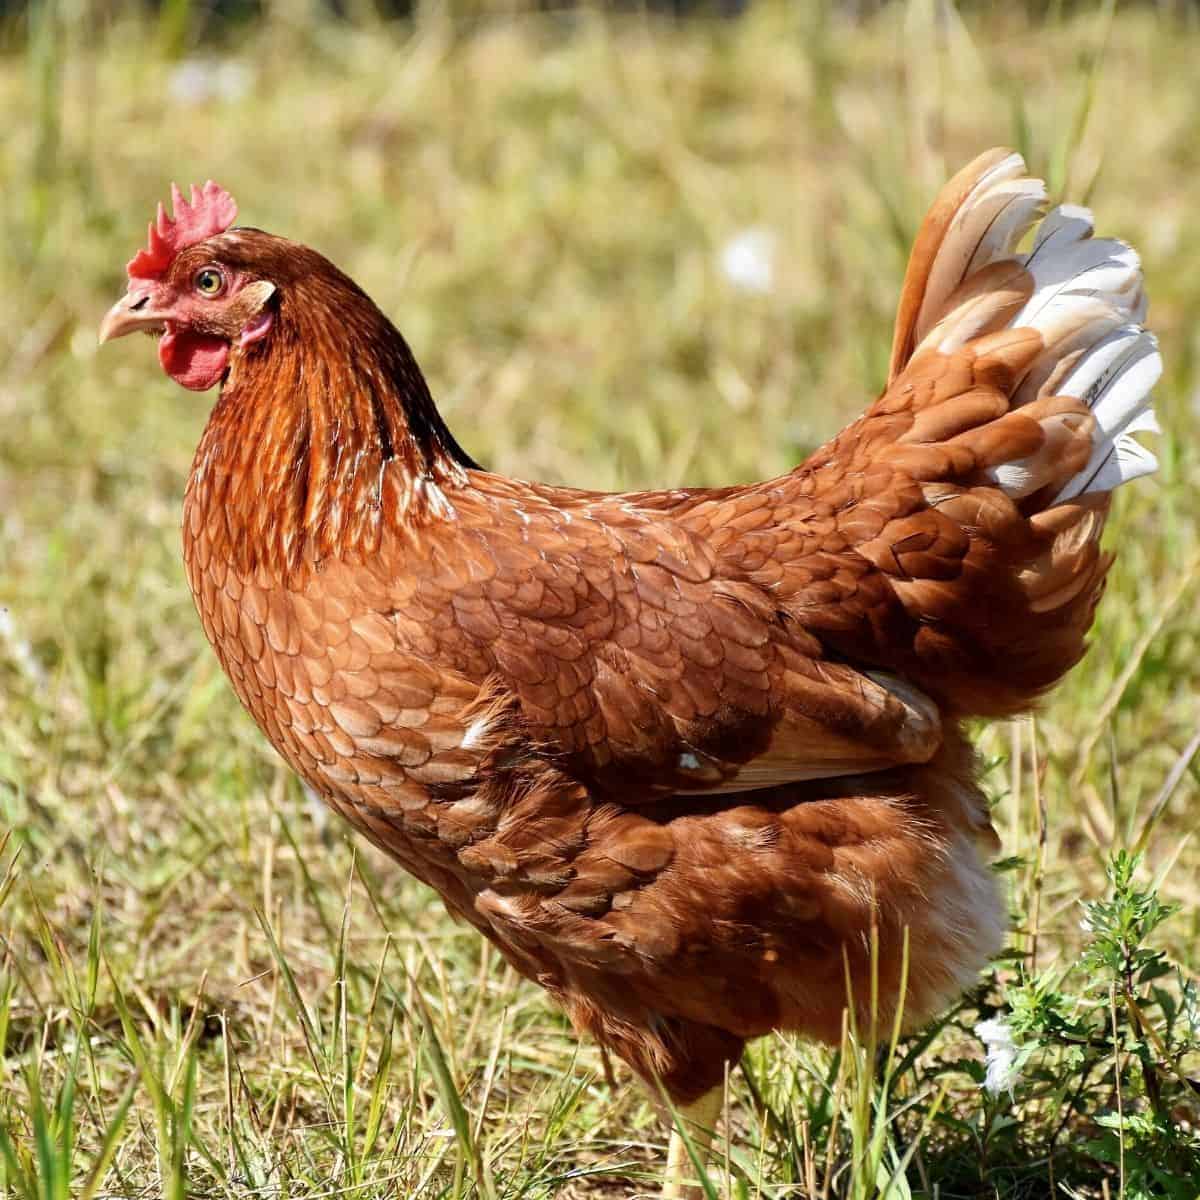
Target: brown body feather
<point x="676" y="754"/>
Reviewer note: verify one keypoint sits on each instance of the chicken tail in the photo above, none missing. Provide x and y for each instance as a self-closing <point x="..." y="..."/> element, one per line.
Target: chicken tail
<point x="1016" y="383"/>
<point x="1082" y="295"/>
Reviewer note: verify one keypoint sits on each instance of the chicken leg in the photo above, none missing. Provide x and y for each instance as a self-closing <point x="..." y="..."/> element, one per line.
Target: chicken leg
<point x="701" y="1119"/>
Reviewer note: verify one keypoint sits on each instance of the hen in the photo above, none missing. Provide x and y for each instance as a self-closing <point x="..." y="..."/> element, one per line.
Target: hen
<point x="678" y="753"/>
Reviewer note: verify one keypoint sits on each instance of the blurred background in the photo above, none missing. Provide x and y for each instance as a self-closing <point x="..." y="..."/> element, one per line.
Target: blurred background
<point x="631" y="245"/>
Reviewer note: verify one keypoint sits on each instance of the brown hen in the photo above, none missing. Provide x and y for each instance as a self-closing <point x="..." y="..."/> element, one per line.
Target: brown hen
<point x="676" y="754"/>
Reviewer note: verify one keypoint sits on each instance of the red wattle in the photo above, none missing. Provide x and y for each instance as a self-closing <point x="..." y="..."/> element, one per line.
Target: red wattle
<point x="195" y="360"/>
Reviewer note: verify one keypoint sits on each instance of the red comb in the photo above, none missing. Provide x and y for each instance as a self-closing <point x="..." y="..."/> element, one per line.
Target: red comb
<point x="211" y="210"/>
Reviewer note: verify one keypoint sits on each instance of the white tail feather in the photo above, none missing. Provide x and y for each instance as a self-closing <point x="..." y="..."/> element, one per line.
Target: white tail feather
<point x="1088" y="305"/>
<point x="1145" y="422"/>
<point x="1068" y="264"/>
<point x="1123" y="461"/>
<point x="1114" y="380"/>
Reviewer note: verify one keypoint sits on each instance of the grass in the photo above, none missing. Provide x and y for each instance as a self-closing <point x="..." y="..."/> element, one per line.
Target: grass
<point x="207" y="989"/>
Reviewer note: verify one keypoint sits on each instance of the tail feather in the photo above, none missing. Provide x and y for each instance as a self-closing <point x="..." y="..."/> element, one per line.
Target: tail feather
<point x="1017" y="381"/>
<point x="1114" y="381"/>
<point x="978" y="219"/>
<point x="1082" y="294"/>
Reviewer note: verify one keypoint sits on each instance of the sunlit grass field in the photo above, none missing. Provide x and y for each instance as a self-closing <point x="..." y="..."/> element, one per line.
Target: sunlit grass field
<point x="207" y="988"/>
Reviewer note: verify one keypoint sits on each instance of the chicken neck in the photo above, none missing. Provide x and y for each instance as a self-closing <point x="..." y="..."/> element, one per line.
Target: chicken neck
<point x="321" y="434"/>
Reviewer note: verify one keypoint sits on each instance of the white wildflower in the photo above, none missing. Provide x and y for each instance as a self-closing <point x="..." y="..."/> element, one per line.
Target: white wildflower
<point x="196" y="80"/>
<point x="20" y="651"/>
<point x="1002" y="1069"/>
<point x="748" y="260"/>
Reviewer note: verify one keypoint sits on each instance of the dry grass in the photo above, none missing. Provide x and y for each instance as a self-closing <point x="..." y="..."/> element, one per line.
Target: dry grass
<point x="540" y="203"/>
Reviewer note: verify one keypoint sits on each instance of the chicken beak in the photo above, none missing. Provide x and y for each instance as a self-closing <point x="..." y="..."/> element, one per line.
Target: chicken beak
<point x="130" y="313"/>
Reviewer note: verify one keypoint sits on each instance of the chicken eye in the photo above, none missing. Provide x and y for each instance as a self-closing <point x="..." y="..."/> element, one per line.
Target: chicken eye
<point x="209" y="281"/>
